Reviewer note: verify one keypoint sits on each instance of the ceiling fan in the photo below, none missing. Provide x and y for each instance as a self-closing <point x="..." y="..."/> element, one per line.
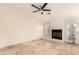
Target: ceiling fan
<point x="41" y="8"/>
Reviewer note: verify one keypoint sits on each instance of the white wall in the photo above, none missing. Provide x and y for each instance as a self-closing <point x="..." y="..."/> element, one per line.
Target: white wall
<point x="17" y="26"/>
<point x="62" y="13"/>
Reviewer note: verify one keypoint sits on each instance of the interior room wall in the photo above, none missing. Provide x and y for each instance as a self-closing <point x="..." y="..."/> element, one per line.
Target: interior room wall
<point x="17" y="25"/>
<point x="61" y="16"/>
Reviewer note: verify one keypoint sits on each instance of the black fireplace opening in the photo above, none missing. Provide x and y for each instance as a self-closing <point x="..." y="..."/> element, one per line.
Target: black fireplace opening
<point x="57" y="34"/>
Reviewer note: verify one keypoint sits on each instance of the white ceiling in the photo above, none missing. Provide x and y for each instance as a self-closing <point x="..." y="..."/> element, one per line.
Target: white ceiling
<point x="59" y="10"/>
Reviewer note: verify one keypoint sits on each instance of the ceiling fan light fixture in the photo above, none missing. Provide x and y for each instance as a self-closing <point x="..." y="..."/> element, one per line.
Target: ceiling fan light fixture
<point x="41" y="8"/>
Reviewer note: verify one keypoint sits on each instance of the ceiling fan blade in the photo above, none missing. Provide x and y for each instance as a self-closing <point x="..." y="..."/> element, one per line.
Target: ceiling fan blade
<point x="46" y="10"/>
<point x="36" y="11"/>
<point x="35" y="6"/>
<point x="44" y="5"/>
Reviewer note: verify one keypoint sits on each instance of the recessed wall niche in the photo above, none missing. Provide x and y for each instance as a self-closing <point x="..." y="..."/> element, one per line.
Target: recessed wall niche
<point x="71" y="30"/>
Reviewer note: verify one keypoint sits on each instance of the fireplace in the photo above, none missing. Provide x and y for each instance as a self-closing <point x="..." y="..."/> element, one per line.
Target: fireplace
<point x="57" y="34"/>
